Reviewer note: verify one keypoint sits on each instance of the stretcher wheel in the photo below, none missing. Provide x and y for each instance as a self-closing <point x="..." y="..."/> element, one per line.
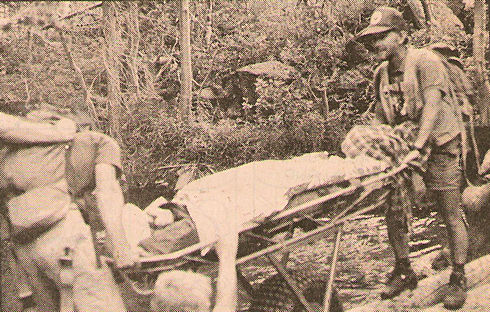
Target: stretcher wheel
<point x="274" y="294"/>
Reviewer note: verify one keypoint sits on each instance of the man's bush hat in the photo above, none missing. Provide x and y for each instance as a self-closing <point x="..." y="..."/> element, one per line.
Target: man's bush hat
<point x="383" y="19"/>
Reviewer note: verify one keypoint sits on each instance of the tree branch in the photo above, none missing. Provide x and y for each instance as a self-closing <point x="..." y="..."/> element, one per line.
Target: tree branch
<point x="86" y="92"/>
<point x="94" y="6"/>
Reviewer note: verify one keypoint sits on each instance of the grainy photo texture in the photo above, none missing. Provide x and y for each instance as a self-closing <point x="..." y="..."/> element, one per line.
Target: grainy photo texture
<point x="251" y="155"/>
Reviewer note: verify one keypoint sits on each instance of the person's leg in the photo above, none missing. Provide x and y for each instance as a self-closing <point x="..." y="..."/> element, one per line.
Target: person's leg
<point x="458" y="242"/>
<point x="445" y="176"/>
<point x="81" y="286"/>
<point x="94" y="289"/>
<point x="397" y="235"/>
<point x="402" y="276"/>
<point x="45" y="296"/>
<point x="450" y="209"/>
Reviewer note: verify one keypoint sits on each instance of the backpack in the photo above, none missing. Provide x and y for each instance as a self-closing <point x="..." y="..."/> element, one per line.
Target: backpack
<point x="80" y="164"/>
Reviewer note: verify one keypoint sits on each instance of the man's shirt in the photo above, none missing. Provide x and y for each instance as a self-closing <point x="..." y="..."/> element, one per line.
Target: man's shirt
<point x="35" y="177"/>
<point x="428" y="72"/>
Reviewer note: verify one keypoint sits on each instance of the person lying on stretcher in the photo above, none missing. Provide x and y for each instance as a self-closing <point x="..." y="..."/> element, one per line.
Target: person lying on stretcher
<point x="173" y="229"/>
<point x="216" y="208"/>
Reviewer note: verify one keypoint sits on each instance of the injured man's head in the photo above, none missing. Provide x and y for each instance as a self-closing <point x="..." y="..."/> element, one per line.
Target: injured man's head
<point x="182" y="291"/>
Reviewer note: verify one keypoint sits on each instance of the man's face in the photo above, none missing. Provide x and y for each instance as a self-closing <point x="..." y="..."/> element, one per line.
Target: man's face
<point x="384" y="45"/>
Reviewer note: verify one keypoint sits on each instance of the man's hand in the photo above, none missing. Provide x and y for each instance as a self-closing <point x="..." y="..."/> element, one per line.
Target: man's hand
<point x="155" y="205"/>
<point x="41" y="128"/>
<point x="159" y="217"/>
<point x="411" y="156"/>
<point x="65" y="125"/>
<point x="124" y="257"/>
<point x="62" y="124"/>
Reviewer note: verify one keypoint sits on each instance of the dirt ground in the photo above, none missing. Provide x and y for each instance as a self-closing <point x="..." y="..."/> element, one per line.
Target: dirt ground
<point x="364" y="259"/>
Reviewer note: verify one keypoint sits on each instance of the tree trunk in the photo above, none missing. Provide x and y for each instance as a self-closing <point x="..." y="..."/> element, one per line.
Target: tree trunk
<point x="209" y="24"/>
<point x="87" y="98"/>
<point x="134" y="41"/>
<point x="418" y="12"/>
<point x="480" y="46"/>
<point x="112" y="50"/>
<point x="185" y="61"/>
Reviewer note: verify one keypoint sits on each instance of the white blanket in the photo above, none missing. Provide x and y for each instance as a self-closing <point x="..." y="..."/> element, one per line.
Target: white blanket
<point x="221" y="203"/>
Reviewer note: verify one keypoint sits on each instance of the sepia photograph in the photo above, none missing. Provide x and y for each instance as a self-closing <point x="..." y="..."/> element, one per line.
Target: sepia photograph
<point x="245" y="155"/>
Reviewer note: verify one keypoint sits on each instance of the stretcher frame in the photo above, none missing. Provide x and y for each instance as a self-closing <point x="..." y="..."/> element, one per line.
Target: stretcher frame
<point x="288" y="220"/>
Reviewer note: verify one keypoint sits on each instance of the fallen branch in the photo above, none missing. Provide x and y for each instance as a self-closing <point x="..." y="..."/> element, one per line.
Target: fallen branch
<point x="73" y="14"/>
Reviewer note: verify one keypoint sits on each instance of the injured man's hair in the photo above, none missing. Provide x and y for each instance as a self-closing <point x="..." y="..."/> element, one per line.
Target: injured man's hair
<point x="182" y="291"/>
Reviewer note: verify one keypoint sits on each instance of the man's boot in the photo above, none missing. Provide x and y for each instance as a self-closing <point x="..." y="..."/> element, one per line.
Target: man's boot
<point x="400" y="279"/>
<point x="456" y="291"/>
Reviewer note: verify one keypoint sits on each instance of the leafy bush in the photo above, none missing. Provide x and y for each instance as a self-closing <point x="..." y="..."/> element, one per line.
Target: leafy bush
<point x="282" y="125"/>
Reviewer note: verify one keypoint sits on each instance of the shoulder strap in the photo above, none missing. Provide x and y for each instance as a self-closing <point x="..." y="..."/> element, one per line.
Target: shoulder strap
<point x="381" y="79"/>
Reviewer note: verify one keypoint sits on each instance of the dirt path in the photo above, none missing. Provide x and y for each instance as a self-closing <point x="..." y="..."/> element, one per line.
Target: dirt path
<point x="365" y="257"/>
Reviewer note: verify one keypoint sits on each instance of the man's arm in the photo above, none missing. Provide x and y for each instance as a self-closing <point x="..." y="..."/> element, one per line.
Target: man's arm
<point x="15" y="129"/>
<point x="226" y="287"/>
<point x="110" y="202"/>
<point x="430" y="112"/>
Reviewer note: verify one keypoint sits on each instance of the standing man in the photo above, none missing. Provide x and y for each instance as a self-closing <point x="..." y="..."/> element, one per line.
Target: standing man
<point x="51" y="240"/>
<point x="18" y="130"/>
<point x="414" y="85"/>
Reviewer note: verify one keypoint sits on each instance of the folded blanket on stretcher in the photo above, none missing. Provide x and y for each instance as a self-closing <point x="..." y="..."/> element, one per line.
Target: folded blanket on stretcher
<point x="390" y="145"/>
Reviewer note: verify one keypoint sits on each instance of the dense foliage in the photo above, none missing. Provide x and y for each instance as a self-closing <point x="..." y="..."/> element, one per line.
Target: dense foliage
<point x="312" y="111"/>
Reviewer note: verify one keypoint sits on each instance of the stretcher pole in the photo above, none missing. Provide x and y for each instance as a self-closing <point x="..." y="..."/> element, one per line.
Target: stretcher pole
<point x="307" y="236"/>
<point x="333" y="265"/>
<point x="347" y="190"/>
<point x="278" y="216"/>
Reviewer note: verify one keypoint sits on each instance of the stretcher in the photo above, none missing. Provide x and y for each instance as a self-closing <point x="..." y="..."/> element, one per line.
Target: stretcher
<point x="318" y="213"/>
